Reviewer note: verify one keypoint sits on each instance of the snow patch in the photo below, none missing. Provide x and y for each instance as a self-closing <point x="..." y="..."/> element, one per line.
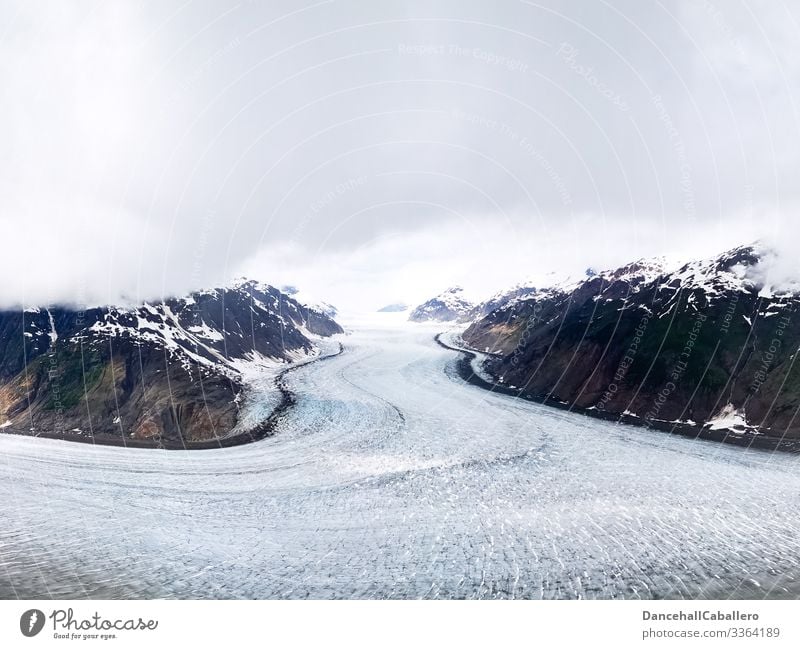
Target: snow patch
<point x="731" y="418"/>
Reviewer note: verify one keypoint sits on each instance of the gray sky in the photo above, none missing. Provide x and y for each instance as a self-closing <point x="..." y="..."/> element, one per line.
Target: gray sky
<point x="373" y="152"/>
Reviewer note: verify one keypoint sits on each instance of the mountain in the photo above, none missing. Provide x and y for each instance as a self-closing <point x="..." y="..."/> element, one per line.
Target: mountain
<point x="522" y="291"/>
<point x="708" y="346"/>
<point x="393" y="308"/>
<point x="446" y="307"/>
<point x="452" y="306"/>
<point x="310" y="302"/>
<point x="169" y="373"/>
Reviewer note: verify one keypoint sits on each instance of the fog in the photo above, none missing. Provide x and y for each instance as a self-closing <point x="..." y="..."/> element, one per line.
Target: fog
<point x="379" y="152"/>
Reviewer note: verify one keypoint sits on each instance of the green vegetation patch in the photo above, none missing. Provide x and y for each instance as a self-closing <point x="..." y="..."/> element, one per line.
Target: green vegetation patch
<point x="70" y="375"/>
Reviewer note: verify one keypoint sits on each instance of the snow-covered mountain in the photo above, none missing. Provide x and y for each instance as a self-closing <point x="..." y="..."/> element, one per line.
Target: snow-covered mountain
<point x="306" y="300"/>
<point x="169" y="371"/>
<point x="449" y="306"/>
<point x="708" y="344"/>
<point x="397" y="307"/>
<point x="521" y="291"/>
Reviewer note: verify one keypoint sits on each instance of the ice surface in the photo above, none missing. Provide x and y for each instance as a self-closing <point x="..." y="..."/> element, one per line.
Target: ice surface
<point x="393" y="478"/>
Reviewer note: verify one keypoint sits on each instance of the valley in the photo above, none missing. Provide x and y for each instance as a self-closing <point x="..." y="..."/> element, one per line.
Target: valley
<point x="393" y="478"/>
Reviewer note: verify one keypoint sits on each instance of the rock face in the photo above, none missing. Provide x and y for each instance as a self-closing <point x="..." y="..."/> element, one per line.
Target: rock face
<point x="450" y="306"/>
<point x="160" y="373"/>
<point x="709" y="344"/>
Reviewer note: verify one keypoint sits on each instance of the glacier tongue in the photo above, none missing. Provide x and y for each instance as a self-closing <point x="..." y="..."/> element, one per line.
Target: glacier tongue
<point x="391" y="477"/>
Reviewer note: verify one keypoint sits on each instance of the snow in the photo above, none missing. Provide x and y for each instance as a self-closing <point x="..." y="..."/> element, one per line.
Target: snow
<point x="452" y="338"/>
<point x="167" y="333"/>
<point x="392" y="478"/>
<point x="715" y="277"/>
<point x="303" y="298"/>
<point x="448" y="305"/>
<point x="204" y="331"/>
<point x="519" y="292"/>
<point x="53" y="334"/>
<point x="159" y="325"/>
<point x="729" y="418"/>
<point x="259" y="372"/>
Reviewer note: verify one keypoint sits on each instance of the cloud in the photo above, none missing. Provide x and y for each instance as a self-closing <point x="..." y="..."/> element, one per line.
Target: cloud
<point x="398" y="148"/>
<point x="476" y="253"/>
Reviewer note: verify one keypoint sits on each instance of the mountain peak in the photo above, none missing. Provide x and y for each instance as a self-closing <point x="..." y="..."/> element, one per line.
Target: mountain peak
<point x="450" y="305"/>
<point x="677" y="341"/>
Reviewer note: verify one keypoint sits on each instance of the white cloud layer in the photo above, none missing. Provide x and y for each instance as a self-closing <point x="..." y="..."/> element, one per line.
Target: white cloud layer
<point x="377" y="152"/>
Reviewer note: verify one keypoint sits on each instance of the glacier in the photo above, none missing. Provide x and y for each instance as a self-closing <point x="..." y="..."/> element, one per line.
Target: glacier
<point x="393" y="478"/>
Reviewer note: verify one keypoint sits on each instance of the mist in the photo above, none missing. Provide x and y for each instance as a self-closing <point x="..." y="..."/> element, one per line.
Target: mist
<point x="375" y="153"/>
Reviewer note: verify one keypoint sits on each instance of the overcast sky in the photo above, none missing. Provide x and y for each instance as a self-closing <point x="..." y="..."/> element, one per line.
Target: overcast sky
<point x="375" y="152"/>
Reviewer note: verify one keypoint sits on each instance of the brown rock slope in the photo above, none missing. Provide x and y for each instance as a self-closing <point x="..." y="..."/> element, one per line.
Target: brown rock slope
<point x="158" y="374"/>
<point x="711" y="345"/>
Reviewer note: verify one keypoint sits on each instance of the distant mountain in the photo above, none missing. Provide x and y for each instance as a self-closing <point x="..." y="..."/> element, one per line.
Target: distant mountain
<point x="448" y="306"/>
<point x="708" y="345"/>
<point x="457" y="308"/>
<point x="394" y="308"/>
<point x="168" y="372"/>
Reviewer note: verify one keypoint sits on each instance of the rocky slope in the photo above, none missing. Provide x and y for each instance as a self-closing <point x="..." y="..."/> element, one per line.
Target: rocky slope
<point x="165" y="374"/>
<point x="709" y="345"/>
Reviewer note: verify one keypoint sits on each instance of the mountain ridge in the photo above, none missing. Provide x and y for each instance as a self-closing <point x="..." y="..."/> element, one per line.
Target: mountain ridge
<point x="709" y="344"/>
<point x="167" y="373"/>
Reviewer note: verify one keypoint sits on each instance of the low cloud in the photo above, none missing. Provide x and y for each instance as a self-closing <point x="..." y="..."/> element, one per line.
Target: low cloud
<point x="371" y="153"/>
<point x="470" y="252"/>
